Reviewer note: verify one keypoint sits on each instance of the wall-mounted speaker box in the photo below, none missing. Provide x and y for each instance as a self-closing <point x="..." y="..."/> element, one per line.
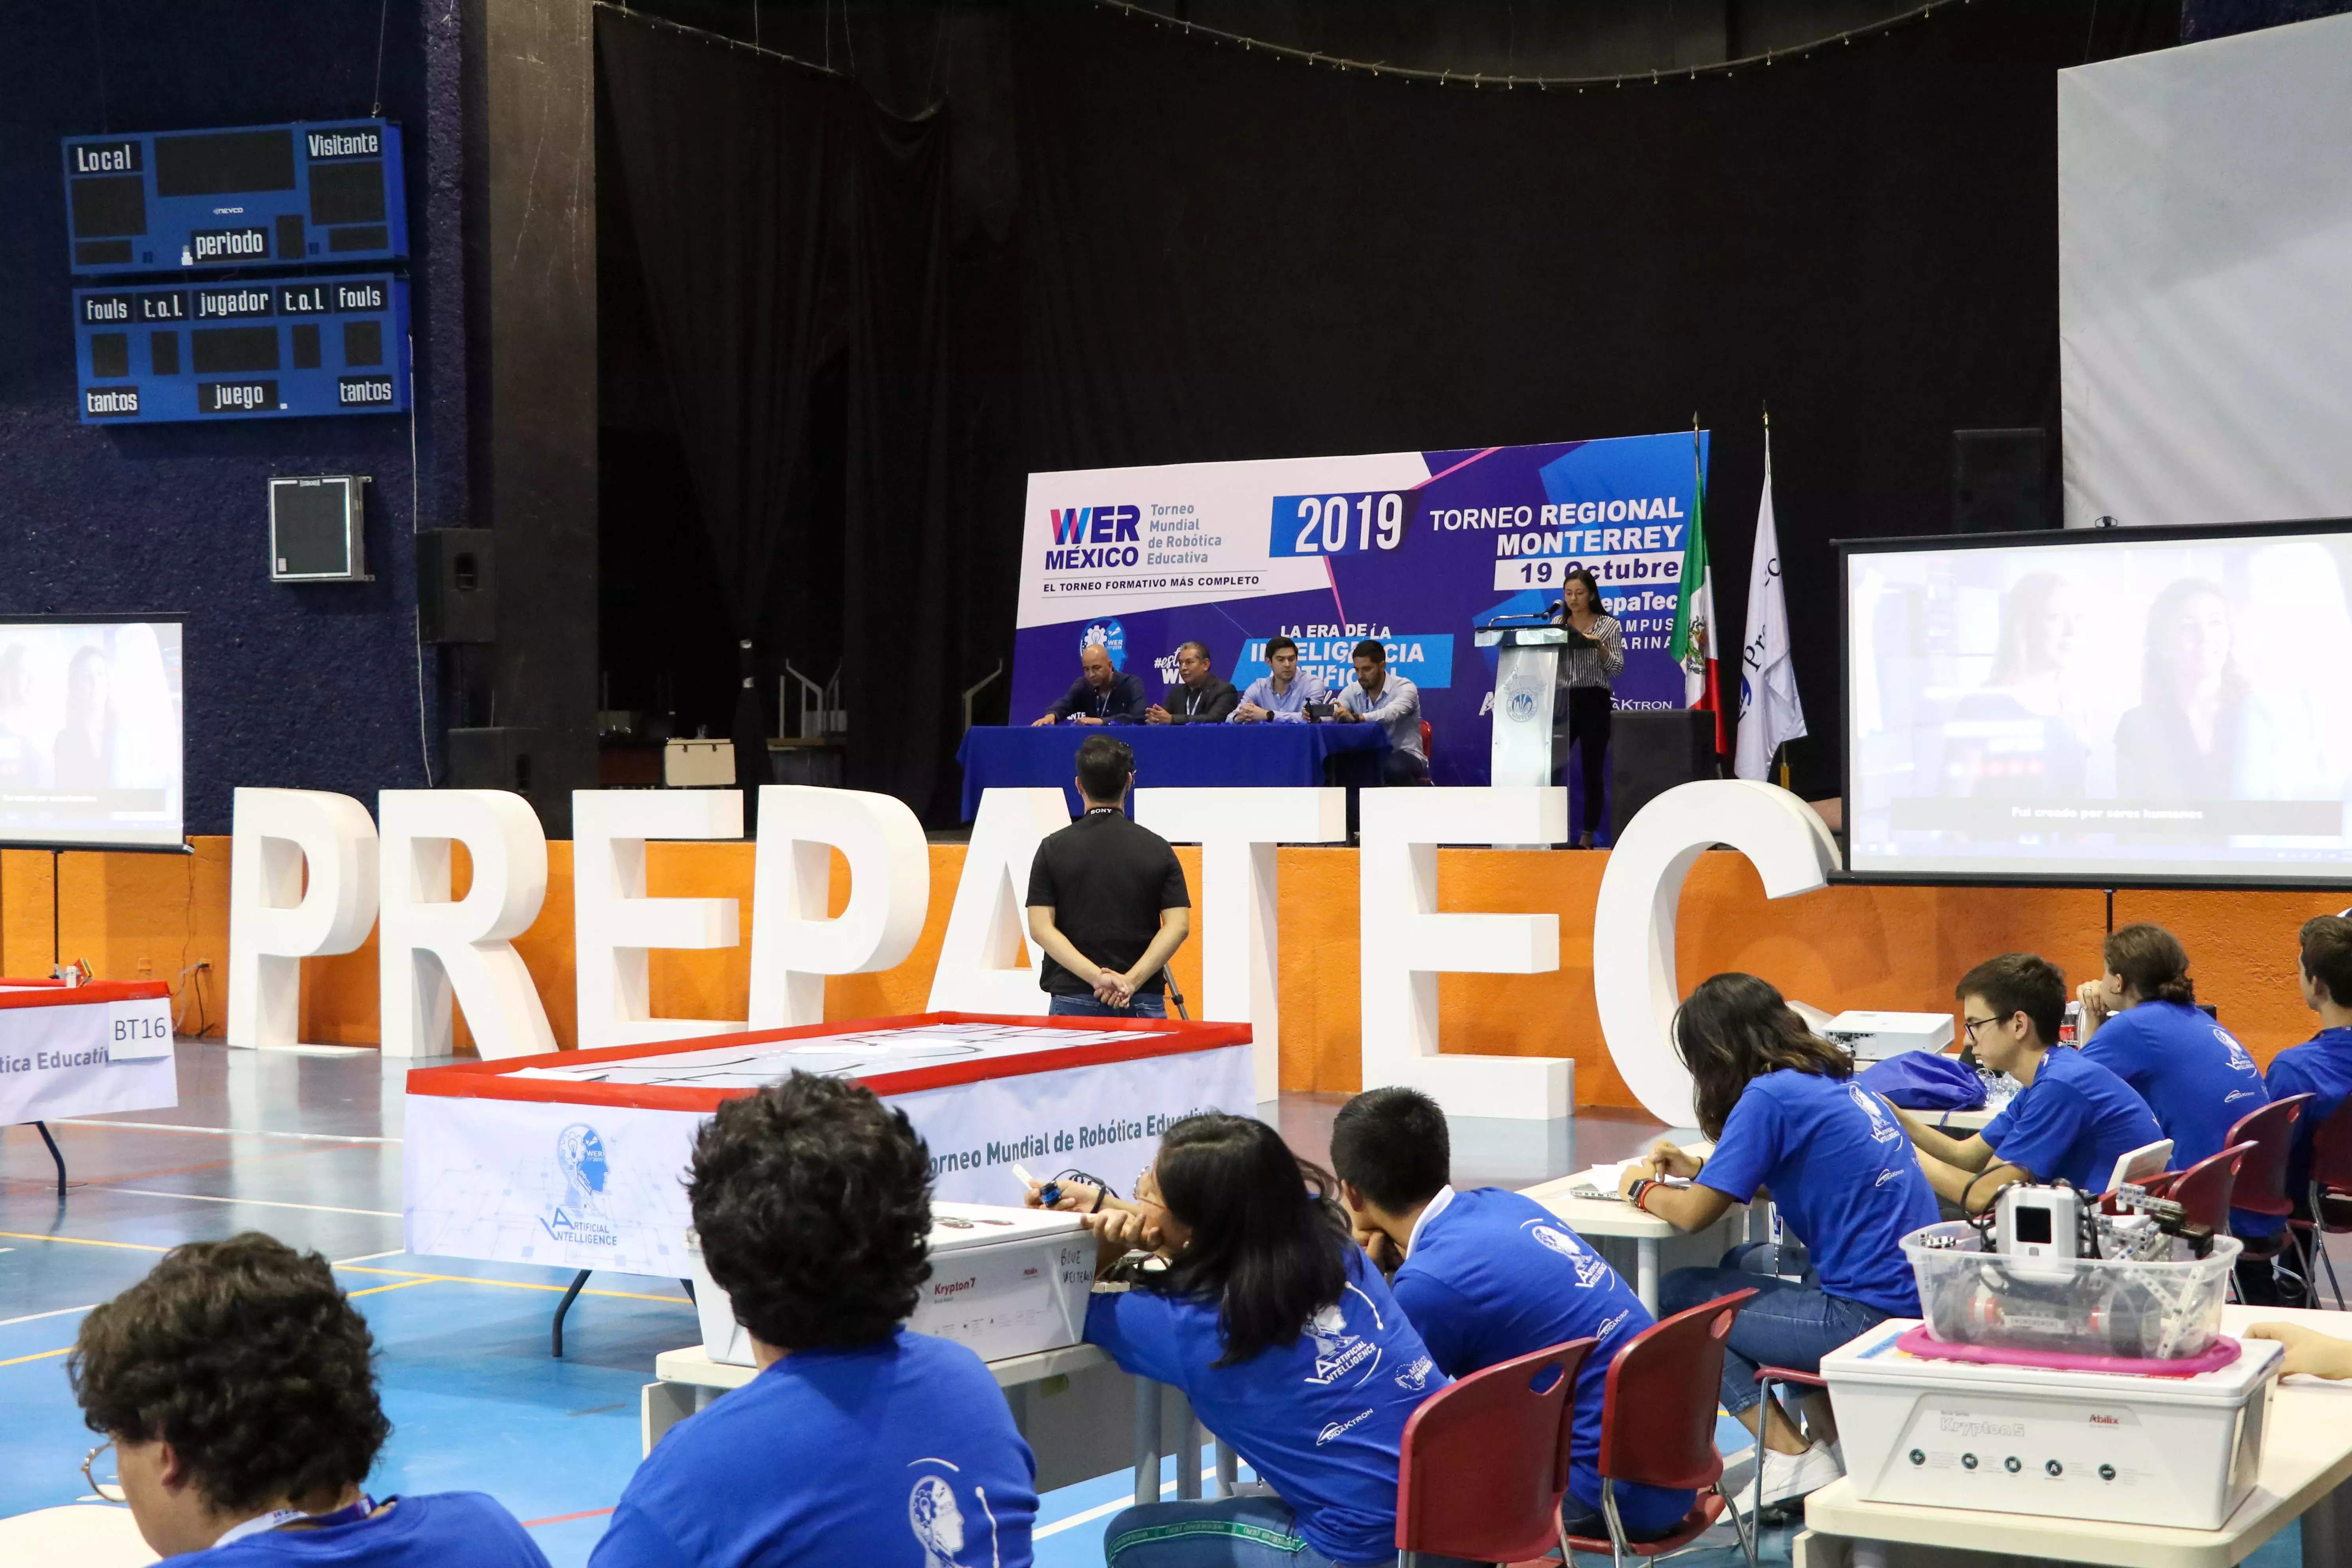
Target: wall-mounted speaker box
<point x="1996" y="481"/>
<point x="318" y="528"/>
<point x="458" y="584"/>
<point x="491" y="758"/>
<point x="1649" y="752"/>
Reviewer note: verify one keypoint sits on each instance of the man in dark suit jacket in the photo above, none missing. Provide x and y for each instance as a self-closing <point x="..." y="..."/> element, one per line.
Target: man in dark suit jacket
<point x="1100" y="695"/>
<point x="1199" y="697"/>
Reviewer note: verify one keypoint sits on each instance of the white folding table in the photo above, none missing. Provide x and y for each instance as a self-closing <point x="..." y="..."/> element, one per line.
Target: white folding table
<point x="2306" y="1462"/>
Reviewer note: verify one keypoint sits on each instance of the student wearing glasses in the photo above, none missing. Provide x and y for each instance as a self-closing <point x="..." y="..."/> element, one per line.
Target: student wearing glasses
<point x="1234" y="1276"/>
<point x="2070" y="1123"/>
<point x="235" y="1387"/>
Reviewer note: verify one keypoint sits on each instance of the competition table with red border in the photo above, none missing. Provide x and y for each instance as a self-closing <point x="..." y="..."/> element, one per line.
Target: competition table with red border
<point x="574" y="1159"/>
<point x="80" y="1050"/>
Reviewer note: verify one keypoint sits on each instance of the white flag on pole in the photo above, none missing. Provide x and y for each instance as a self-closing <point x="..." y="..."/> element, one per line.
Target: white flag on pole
<point x="1770" y="712"/>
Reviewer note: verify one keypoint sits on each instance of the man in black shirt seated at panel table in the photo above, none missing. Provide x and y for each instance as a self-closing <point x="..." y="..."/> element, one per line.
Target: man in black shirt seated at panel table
<point x="1106" y="900"/>
<point x="1100" y="695"/>
<point x="1198" y="696"/>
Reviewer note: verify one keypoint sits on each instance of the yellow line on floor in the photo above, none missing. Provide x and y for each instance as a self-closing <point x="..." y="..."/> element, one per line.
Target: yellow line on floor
<point x="40" y="1355"/>
<point x="396" y="1285"/>
<point x="81" y="1241"/>
<point x="512" y="1285"/>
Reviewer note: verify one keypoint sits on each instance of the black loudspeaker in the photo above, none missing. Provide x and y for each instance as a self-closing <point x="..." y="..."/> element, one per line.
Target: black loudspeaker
<point x="1996" y="481"/>
<point x="458" y="584"/>
<point x="491" y="759"/>
<point x="1649" y="752"/>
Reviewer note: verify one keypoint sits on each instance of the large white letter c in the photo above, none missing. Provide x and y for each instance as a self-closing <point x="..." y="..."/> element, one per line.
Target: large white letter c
<point x="1634" y="922"/>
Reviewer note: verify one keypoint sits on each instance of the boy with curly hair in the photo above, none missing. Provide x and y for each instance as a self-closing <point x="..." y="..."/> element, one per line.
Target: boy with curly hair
<point x="858" y="1445"/>
<point x="236" y="1387"/>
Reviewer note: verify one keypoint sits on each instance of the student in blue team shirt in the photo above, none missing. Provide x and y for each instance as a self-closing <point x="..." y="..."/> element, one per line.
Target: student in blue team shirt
<point x="2141" y="1021"/>
<point x="2072" y="1120"/>
<point x="858" y="1445"/>
<point x="1258" y="1303"/>
<point x="2322" y="1065"/>
<point x="235" y="1388"/>
<point x="1785" y="1115"/>
<point x="1486" y="1275"/>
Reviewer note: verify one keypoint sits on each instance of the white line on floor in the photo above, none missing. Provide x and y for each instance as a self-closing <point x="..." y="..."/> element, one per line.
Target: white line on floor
<point x="216" y="1132"/>
<point x="37" y="1317"/>
<point x="256" y="1203"/>
<point x="369" y="1256"/>
<point x="1102" y="1511"/>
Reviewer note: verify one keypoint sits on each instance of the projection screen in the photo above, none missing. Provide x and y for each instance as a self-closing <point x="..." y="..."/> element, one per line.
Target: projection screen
<point x="90" y="732"/>
<point x="2205" y="280"/>
<point x="2140" y="706"/>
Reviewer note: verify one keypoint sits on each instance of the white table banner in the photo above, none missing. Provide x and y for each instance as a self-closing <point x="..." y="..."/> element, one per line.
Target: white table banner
<point x="575" y="1178"/>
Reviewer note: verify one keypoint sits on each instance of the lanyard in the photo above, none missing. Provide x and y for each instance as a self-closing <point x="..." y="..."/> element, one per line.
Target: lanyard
<point x="262" y="1522"/>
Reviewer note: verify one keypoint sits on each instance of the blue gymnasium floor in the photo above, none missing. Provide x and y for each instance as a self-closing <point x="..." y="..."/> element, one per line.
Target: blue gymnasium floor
<point x="306" y="1145"/>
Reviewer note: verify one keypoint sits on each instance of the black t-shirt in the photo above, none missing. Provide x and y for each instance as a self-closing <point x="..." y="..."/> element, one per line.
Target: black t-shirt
<point x="1107" y="880"/>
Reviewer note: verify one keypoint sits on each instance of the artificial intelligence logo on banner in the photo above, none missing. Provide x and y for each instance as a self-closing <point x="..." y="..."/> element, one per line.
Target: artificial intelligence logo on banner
<point x="1329" y="551"/>
<point x="580" y="1217"/>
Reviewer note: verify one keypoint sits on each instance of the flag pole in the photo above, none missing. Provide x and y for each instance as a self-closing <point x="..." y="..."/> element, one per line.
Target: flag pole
<point x="1779" y="768"/>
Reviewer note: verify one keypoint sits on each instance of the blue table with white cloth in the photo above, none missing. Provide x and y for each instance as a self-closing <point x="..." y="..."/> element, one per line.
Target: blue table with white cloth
<point x="1172" y="756"/>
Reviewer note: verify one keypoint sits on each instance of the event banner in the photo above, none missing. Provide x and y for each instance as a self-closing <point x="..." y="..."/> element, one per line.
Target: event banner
<point x="112" y="1053"/>
<point x="1414" y="549"/>
<point x="597" y="1186"/>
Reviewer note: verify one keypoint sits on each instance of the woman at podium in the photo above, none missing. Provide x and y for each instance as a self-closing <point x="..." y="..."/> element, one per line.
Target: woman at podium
<point x="1586" y="668"/>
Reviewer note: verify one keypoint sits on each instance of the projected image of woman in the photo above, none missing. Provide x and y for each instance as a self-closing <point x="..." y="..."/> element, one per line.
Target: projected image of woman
<point x="85" y="748"/>
<point x="23" y="763"/>
<point x="2022" y="733"/>
<point x="2181" y="743"/>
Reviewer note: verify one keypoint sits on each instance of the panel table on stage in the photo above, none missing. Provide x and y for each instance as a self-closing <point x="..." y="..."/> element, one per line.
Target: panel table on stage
<point x="1173" y="756"/>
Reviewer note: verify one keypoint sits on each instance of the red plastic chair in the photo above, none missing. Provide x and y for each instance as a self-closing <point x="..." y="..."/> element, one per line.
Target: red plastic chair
<point x="1657" y="1428"/>
<point x="2203" y="1190"/>
<point x="2262" y="1180"/>
<point x="1427" y="755"/>
<point x="1485" y="1461"/>
<point x="2330" y="1194"/>
<point x="1767" y="1379"/>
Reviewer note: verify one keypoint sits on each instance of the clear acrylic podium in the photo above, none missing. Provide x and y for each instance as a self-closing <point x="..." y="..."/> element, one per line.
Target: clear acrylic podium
<point x="1527" y="675"/>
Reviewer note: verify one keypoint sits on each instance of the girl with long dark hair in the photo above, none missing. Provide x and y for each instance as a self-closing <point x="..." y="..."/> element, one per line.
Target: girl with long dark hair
<point x="1787" y="1118"/>
<point x="1252" y="1298"/>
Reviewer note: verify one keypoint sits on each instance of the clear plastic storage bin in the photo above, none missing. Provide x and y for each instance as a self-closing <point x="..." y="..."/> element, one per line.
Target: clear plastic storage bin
<point x="2162" y="1311"/>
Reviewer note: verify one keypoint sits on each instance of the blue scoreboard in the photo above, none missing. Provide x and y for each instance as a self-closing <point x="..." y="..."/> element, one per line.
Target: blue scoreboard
<point x="272" y="195"/>
<point x="264" y="348"/>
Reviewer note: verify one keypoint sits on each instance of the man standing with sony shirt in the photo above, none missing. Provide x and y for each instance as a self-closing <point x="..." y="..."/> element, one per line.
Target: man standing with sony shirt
<point x="1107" y="900"/>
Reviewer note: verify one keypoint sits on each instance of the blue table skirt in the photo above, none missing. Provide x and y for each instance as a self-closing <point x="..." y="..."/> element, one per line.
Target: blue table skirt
<point x="1170" y="756"/>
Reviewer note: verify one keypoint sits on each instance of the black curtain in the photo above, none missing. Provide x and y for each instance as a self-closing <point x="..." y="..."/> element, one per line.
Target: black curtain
<point x="793" y="237"/>
<point x="1225" y="255"/>
<point x="899" y="676"/>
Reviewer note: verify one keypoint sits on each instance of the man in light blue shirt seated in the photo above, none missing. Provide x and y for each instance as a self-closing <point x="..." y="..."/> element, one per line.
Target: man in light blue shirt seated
<point x="1281" y="695"/>
<point x="1394" y="704"/>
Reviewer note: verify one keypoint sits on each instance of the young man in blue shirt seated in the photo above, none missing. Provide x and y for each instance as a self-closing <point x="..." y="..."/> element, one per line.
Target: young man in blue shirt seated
<point x="2141" y="1021"/>
<point x="236" y="1389"/>
<point x="2321" y="1066"/>
<point x="858" y="1445"/>
<point x="2072" y="1120"/>
<point x="1486" y="1275"/>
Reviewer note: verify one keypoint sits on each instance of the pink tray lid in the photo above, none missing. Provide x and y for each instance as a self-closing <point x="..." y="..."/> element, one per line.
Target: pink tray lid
<point x="2224" y="1350"/>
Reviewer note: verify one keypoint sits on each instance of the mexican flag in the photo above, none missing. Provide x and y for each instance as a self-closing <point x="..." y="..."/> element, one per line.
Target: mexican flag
<point x="1692" y="646"/>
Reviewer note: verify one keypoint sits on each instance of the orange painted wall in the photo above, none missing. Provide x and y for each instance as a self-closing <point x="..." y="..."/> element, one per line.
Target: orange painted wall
<point x="136" y="916"/>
